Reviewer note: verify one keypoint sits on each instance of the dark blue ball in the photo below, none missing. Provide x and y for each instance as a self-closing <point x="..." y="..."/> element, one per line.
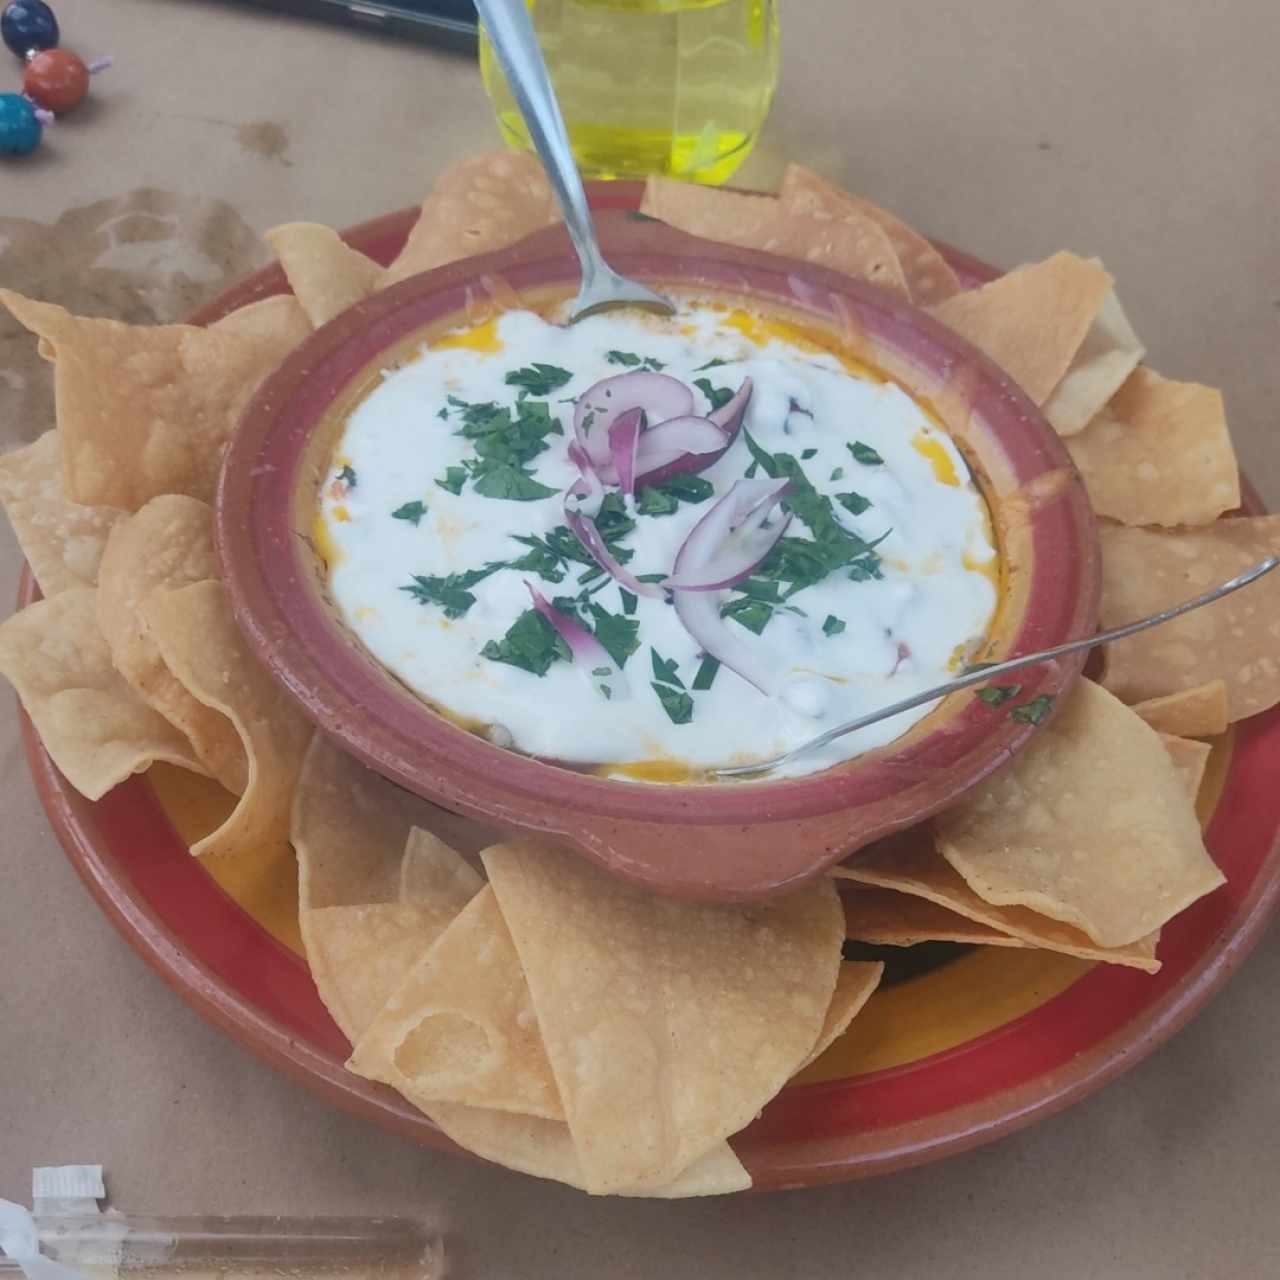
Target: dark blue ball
<point x="27" y="25"/>
<point x="20" y="129"/>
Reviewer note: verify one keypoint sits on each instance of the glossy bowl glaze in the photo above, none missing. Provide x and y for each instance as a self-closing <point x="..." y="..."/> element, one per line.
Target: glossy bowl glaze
<point x="732" y="841"/>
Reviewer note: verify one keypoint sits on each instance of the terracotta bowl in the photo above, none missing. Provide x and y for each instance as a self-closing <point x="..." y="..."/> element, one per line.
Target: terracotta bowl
<point x="731" y="841"/>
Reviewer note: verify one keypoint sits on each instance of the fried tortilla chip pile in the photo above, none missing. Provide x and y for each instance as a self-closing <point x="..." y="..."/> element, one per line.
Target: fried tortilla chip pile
<point x="543" y="1015"/>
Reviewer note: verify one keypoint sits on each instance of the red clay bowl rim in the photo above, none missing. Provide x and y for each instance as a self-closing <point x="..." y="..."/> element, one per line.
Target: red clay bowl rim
<point x="345" y="693"/>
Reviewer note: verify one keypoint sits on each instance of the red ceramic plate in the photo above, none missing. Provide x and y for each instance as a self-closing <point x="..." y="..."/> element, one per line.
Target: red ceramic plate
<point x="984" y="1043"/>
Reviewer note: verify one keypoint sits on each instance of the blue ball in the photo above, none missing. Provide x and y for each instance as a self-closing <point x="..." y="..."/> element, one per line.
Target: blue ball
<point x="27" y="25"/>
<point x="20" y="130"/>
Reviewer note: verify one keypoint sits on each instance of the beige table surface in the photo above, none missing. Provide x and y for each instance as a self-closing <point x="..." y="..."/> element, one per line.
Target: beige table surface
<point x="1144" y="131"/>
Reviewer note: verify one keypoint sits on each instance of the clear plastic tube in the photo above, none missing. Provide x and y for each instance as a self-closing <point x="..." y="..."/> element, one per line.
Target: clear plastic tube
<point x="206" y="1248"/>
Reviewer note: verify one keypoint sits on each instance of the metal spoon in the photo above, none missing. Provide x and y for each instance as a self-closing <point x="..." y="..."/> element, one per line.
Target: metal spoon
<point x="987" y="673"/>
<point x="512" y="35"/>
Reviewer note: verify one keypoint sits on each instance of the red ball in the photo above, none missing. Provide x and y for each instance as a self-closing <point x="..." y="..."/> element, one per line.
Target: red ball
<point x="56" y="80"/>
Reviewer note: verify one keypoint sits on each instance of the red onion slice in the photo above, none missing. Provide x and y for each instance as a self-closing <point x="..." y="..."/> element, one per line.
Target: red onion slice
<point x="592" y="658"/>
<point x="703" y="558"/>
<point x="677" y="447"/>
<point x="729" y="542"/>
<point x="699" y="614"/>
<point x="624" y="439"/>
<point x="659" y="395"/>
<point x="729" y="416"/>
<point x="586" y="493"/>
<point x="586" y="532"/>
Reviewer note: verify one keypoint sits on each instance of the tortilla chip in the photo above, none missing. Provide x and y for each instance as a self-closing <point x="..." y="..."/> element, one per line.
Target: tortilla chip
<point x="326" y="275"/>
<point x="851" y="243"/>
<point x="1033" y="321"/>
<point x="893" y="918"/>
<point x="95" y="727"/>
<point x="431" y="871"/>
<point x="484" y="203"/>
<point x="1194" y="713"/>
<point x="1190" y="758"/>
<point x="1090" y="825"/>
<point x="358" y="956"/>
<point x="62" y="540"/>
<point x="910" y="864"/>
<point x="143" y="411"/>
<point x="1160" y="453"/>
<point x="461" y="1027"/>
<point x="1236" y="639"/>
<point x="279" y="320"/>
<point x="1109" y="354"/>
<point x="203" y="647"/>
<point x="166" y="545"/>
<point x="350" y="828"/>
<point x="855" y="985"/>
<point x="928" y="278"/>
<point x="544" y="1149"/>
<point x="668" y="1024"/>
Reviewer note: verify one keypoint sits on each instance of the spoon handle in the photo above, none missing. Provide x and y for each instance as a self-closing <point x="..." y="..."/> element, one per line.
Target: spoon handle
<point x="516" y="44"/>
<point x="983" y="674"/>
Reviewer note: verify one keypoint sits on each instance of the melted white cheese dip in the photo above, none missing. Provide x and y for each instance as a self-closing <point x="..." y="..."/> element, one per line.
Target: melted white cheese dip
<point x="850" y="646"/>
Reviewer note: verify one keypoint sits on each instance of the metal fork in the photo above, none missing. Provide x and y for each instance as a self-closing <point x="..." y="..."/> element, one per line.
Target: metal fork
<point x="988" y="672"/>
<point x="514" y="41"/>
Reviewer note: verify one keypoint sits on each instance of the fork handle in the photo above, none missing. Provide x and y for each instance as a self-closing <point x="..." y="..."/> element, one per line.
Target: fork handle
<point x="514" y="41"/>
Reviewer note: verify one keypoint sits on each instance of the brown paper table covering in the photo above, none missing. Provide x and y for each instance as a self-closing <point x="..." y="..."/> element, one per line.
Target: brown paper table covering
<point x="1145" y="132"/>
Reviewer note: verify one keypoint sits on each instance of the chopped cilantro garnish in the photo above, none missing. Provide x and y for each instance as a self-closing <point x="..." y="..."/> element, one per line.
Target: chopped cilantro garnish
<point x="664" y="498"/>
<point x="504" y="447"/>
<point x="538" y="379"/>
<point x="506" y="481"/>
<point x="443" y="415"/>
<point x="347" y="476"/>
<point x="752" y="469"/>
<point x="664" y="669"/>
<point x="629" y="600"/>
<point x="865" y="454"/>
<point x="1033" y="712"/>
<point x="629" y="360"/>
<point x="749" y="613"/>
<point x="838" y="474"/>
<point x="531" y="643"/>
<point x="719" y="396"/>
<point x="866" y="568"/>
<point x="453" y="479"/>
<point x="451" y="593"/>
<point x="711" y="364"/>
<point x="617" y="634"/>
<point x="854" y="503"/>
<point x="410" y="511"/>
<point x="675" y="702"/>
<point x="651" y="577"/>
<point x="539" y="559"/>
<point x="807" y="454"/>
<point x="833" y="626"/>
<point x="707" y="671"/>
<point x="996" y="695"/>
<point x="800" y="561"/>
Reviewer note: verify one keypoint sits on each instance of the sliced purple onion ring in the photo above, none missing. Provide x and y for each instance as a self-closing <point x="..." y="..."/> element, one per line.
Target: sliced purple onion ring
<point x="589" y="655"/>
<point x="659" y="395"/>
<point x="585" y="531"/>
<point x="711" y="557"/>
<point x="730" y="414"/>
<point x="729" y="542"/>
<point x="586" y="493"/>
<point x="624" y="441"/>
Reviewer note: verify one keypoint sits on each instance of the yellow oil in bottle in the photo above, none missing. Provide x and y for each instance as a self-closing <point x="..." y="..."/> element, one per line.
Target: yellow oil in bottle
<point x="678" y="87"/>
